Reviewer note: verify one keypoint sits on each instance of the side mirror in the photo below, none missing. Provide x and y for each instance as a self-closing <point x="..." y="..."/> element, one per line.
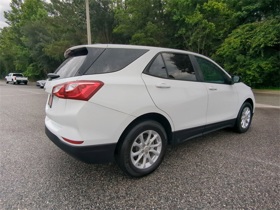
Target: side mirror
<point x="235" y="79"/>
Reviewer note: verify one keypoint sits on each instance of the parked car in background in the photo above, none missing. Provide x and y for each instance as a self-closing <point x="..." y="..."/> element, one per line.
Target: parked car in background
<point x="41" y="83"/>
<point x="16" y="78"/>
<point x="127" y="103"/>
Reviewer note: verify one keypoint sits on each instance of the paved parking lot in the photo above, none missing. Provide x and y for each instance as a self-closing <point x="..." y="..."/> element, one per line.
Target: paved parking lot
<point x="223" y="170"/>
<point x="267" y="98"/>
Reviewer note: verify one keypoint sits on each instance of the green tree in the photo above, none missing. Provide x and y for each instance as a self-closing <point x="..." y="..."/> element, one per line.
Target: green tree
<point x="201" y="26"/>
<point x="6" y="52"/>
<point x="242" y="35"/>
<point x="13" y="40"/>
<point x="102" y="20"/>
<point x="140" y="22"/>
<point x="40" y="32"/>
<point x="253" y="52"/>
<point x="248" y="11"/>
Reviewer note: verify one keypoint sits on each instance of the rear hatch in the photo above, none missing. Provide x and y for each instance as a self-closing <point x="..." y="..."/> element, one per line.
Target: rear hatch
<point x="83" y="72"/>
<point x="77" y="62"/>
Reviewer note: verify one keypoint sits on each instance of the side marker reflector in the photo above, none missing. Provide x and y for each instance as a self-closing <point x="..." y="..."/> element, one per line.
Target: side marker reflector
<point x="72" y="141"/>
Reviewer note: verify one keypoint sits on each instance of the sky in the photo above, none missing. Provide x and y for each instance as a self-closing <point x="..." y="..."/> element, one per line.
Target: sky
<point x="4" y="6"/>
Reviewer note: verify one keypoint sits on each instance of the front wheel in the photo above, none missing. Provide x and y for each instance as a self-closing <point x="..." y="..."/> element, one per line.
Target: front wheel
<point x="142" y="149"/>
<point x="244" y="118"/>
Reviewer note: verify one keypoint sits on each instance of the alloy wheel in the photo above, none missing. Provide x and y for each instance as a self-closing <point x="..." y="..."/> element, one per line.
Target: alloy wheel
<point x="146" y="149"/>
<point x="245" y="117"/>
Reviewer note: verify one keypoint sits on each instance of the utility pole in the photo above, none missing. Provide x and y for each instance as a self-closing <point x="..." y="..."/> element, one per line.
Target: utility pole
<point x="88" y="23"/>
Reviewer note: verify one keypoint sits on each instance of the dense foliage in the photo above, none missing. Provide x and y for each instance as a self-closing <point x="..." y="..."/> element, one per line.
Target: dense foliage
<point x="243" y="36"/>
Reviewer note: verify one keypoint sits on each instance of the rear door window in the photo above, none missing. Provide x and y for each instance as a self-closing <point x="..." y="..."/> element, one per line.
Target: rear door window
<point x="157" y="68"/>
<point x="114" y="59"/>
<point x="179" y="66"/>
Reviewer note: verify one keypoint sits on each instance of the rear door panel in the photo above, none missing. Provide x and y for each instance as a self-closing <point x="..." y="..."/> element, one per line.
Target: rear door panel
<point x="172" y="84"/>
<point x="185" y="102"/>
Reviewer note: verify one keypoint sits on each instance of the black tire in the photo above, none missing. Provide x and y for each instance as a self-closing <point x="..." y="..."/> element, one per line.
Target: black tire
<point x="244" y="118"/>
<point x="18" y="83"/>
<point x="7" y="82"/>
<point x="130" y="144"/>
<point x="25" y="83"/>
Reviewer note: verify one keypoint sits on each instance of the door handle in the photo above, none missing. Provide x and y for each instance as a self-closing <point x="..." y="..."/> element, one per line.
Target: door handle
<point x="163" y="85"/>
<point x="212" y="88"/>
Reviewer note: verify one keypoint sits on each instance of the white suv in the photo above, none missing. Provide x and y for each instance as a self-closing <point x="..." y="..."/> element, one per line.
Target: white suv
<point x="127" y="103"/>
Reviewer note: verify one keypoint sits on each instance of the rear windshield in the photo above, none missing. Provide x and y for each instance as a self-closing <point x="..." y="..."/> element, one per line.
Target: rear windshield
<point x="114" y="59"/>
<point x="75" y="59"/>
<point x="97" y="61"/>
<point x="70" y="66"/>
<point x="18" y="75"/>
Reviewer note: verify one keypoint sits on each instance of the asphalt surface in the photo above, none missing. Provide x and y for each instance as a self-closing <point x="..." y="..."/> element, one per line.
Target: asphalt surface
<point x="267" y="98"/>
<point x="223" y="170"/>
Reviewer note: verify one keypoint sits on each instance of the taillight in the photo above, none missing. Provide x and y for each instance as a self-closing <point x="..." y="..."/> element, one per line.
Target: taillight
<point x="77" y="90"/>
<point x="59" y="91"/>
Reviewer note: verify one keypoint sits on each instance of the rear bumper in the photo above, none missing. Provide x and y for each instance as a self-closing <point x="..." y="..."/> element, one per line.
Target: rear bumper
<point x="88" y="154"/>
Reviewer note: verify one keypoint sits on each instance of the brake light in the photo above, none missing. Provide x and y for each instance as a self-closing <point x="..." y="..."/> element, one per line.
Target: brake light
<point x="77" y="90"/>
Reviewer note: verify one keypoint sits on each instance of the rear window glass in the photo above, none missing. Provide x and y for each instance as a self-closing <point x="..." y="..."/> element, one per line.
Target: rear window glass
<point x="70" y="66"/>
<point x="114" y="59"/>
<point x="18" y="75"/>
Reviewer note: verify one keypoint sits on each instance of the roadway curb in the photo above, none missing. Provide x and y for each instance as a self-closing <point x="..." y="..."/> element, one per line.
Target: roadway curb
<point x="267" y="106"/>
<point x="271" y="92"/>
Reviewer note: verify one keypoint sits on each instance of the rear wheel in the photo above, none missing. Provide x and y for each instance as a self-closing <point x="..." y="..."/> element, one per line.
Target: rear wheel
<point x="25" y="83"/>
<point x="7" y="82"/>
<point x="142" y="149"/>
<point x="244" y="118"/>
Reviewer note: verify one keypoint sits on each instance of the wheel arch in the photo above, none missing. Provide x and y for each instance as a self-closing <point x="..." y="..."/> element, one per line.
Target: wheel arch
<point x="250" y="101"/>
<point x="149" y="116"/>
<point x="239" y="127"/>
